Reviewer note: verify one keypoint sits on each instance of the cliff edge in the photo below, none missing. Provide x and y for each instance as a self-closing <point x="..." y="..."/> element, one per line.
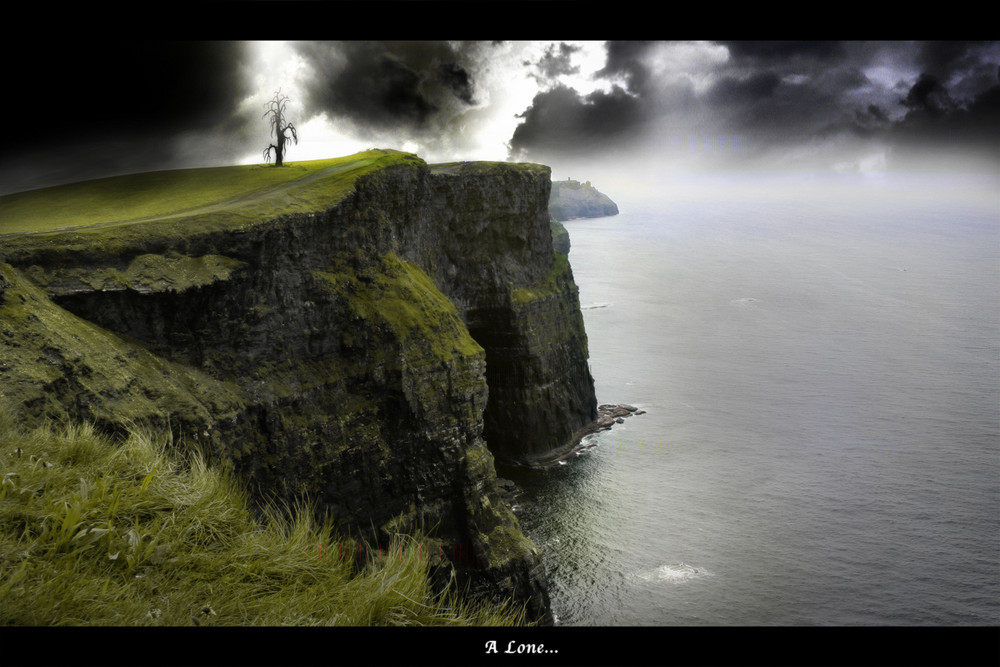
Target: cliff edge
<point x="371" y="337"/>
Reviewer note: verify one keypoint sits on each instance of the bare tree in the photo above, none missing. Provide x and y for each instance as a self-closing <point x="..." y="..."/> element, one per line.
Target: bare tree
<point x="279" y="128"/>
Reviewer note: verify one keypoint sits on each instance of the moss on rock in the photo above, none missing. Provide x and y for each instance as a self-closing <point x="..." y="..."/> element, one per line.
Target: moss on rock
<point x="57" y="365"/>
<point x="148" y="272"/>
<point x="400" y="295"/>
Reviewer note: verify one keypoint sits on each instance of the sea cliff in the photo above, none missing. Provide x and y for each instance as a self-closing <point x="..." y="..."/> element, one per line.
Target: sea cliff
<point x="373" y="343"/>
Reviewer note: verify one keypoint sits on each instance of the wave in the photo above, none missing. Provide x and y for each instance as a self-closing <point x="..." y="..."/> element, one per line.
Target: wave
<point x="592" y="306"/>
<point x="675" y="573"/>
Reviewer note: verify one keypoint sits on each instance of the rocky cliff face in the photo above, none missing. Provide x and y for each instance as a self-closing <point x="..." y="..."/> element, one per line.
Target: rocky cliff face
<point x="375" y="355"/>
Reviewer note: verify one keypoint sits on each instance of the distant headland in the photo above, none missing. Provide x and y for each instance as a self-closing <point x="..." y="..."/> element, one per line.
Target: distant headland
<point x="572" y="199"/>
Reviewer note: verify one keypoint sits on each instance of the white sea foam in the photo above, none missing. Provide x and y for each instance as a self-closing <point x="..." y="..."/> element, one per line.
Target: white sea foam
<point x="675" y="573"/>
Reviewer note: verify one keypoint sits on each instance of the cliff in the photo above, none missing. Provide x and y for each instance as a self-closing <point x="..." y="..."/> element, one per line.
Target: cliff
<point x="572" y="199"/>
<point x="371" y="337"/>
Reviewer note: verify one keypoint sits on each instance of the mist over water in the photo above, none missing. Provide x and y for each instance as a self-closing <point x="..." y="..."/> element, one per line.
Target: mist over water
<point x="818" y="357"/>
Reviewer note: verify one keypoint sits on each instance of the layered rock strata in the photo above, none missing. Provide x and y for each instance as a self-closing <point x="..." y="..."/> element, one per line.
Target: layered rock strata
<point x="374" y="355"/>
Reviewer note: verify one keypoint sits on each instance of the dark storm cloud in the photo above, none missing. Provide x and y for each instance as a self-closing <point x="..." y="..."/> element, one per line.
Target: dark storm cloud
<point x="624" y="56"/>
<point x="625" y="61"/>
<point x="781" y="96"/>
<point x="936" y="121"/>
<point x="869" y="122"/>
<point x="940" y="58"/>
<point x="783" y="51"/>
<point x="929" y="98"/>
<point x="747" y="91"/>
<point x="788" y="92"/>
<point x="812" y="89"/>
<point x="387" y="85"/>
<point x="774" y="107"/>
<point x="563" y="121"/>
<point x="457" y="80"/>
<point x="556" y="62"/>
<point x="956" y="80"/>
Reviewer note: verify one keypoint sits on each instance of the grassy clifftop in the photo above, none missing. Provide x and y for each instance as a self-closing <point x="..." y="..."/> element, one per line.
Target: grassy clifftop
<point x="192" y="200"/>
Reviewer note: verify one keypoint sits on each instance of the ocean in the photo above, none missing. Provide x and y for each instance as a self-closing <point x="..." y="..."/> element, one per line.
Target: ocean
<point x="818" y="359"/>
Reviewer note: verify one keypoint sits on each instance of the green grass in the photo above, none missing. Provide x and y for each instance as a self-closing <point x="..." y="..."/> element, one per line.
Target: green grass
<point x="401" y="295"/>
<point x="547" y="286"/>
<point x="255" y="189"/>
<point x="94" y="532"/>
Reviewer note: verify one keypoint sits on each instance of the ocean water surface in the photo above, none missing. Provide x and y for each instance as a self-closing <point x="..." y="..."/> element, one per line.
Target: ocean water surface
<point x="818" y="358"/>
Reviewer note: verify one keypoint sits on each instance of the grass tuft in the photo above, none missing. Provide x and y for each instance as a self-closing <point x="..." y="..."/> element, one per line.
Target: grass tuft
<point x="95" y="532"/>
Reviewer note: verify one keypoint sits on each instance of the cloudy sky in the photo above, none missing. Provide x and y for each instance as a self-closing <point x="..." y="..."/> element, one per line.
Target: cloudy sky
<point x="583" y="107"/>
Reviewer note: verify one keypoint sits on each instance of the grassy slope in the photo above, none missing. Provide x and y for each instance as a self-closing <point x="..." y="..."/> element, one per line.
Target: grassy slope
<point x="215" y="197"/>
<point x="100" y="533"/>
